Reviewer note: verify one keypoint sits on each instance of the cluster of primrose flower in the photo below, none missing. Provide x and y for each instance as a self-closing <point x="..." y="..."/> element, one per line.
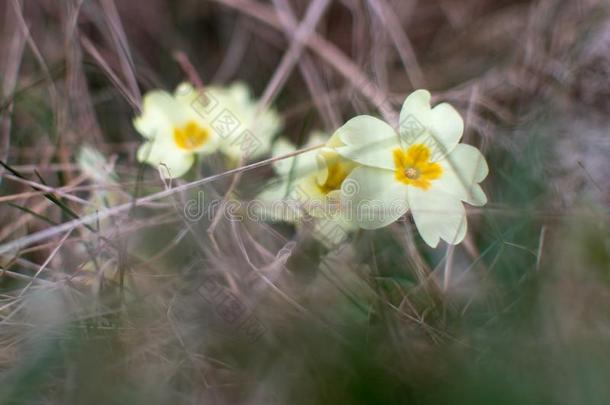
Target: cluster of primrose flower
<point x="366" y="175"/>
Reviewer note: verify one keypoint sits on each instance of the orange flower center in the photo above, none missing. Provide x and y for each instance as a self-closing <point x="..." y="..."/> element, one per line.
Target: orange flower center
<point x="413" y="166"/>
<point x="191" y="136"/>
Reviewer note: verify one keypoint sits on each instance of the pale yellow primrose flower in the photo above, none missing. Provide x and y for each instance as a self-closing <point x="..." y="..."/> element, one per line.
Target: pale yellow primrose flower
<point x="424" y="168"/>
<point x="190" y="122"/>
<point x="291" y="171"/>
<point x="174" y="131"/>
<point x="311" y="182"/>
<point x="246" y="132"/>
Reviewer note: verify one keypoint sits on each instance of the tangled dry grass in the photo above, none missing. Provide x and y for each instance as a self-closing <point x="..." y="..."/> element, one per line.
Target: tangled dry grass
<point x="111" y="294"/>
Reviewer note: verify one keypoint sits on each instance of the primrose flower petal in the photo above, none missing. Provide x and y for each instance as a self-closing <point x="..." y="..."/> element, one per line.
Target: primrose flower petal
<point x="283" y="147"/>
<point x="334" y="229"/>
<point x="440" y="128"/>
<point x="154" y="118"/>
<point x="332" y="170"/>
<point x="300" y="165"/>
<point x="374" y="198"/>
<point x="366" y="138"/>
<point x="464" y="168"/>
<point x="186" y="93"/>
<point x="437" y="216"/>
<point x="246" y="132"/>
<point x="170" y="163"/>
<point x="273" y="204"/>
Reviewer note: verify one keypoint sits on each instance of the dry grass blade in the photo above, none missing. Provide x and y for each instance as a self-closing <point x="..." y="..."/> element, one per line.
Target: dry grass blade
<point x="299" y="38"/>
<point x="401" y="41"/>
<point x="12" y="56"/>
<point x="120" y="41"/>
<point x="92" y="50"/>
<point x="308" y="69"/>
<point x="46" y="262"/>
<point x="92" y="218"/>
<point x="329" y="53"/>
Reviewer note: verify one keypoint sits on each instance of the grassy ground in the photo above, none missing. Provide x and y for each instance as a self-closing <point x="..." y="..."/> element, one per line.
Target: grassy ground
<point x="140" y="304"/>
